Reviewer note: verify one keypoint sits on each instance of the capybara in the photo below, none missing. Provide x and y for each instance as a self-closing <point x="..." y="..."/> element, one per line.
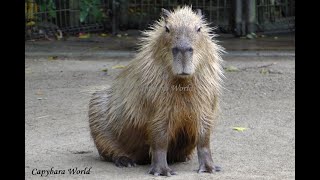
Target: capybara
<point x="164" y="103"/>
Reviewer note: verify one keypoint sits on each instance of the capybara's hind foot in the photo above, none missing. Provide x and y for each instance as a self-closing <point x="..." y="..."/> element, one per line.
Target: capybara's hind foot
<point x="161" y="171"/>
<point x="208" y="168"/>
<point x="123" y="161"/>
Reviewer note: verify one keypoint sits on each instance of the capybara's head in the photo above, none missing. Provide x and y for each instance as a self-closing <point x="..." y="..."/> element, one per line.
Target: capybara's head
<point x="183" y="32"/>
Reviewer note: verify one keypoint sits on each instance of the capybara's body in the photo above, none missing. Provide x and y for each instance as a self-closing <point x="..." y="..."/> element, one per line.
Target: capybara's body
<point x="163" y="104"/>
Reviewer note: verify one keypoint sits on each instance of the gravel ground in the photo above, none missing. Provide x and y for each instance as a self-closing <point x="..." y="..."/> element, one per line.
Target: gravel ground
<point x="258" y="98"/>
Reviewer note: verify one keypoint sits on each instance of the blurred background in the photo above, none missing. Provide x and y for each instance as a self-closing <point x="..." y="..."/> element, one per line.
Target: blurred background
<point x="57" y="19"/>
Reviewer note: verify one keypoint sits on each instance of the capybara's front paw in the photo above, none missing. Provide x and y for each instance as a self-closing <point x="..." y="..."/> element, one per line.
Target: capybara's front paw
<point x="163" y="171"/>
<point x="209" y="168"/>
<point x="123" y="161"/>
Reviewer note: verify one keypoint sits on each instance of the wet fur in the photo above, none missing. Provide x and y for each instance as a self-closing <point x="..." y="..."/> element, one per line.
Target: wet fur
<point x="141" y="102"/>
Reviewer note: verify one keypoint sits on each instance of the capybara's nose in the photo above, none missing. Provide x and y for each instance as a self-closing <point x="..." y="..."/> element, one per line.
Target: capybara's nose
<point x="182" y="49"/>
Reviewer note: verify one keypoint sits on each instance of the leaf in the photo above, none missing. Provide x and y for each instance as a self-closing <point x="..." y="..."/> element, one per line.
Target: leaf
<point x="31" y="23"/>
<point x="241" y="129"/>
<point x="42" y="7"/>
<point x="118" y="67"/>
<point x="28" y="71"/>
<point x="83" y="16"/>
<point x="264" y="71"/>
<point x="52" y="14"/>
<point x="84" y="36"/>
<point x="90" y="8"/>
<point x="250" y="36"/>
<point x="50" y="7"/>
<point x="232" y="69"/>
<point x="43" y="117"/>
<point x="39" y="93"/>
<point x="81" y="152"/>
<point x="96" y="13"/>
<point x="105" y="70"/>
<point x="53" y="57"/>
<point x="104" y="35"/>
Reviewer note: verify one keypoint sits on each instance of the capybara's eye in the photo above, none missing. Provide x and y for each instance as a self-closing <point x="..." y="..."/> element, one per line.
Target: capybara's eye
<point x="190" y="49"/>
<point x="167" y="29"/>
<point x="175" y="50"/>
<point x="199" y="29"/>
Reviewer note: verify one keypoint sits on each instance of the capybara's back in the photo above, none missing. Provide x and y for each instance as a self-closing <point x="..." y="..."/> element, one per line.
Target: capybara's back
<point x="163" y="104"/>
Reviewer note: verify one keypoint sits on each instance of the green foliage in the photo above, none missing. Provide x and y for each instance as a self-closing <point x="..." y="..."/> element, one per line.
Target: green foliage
<point x="48" y="6"/>
<point x="90" y="7"/>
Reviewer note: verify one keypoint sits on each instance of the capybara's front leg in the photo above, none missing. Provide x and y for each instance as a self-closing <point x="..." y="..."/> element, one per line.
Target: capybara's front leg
<point x="159" y="148"/>
<point x="204" y="154"/>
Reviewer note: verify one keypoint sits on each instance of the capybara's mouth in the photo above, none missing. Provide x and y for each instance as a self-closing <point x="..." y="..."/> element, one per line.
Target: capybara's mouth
<point x="184" y="74"/>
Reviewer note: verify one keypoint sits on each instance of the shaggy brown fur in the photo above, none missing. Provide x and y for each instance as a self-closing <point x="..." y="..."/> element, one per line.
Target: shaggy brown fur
<point x="152" y="114"/>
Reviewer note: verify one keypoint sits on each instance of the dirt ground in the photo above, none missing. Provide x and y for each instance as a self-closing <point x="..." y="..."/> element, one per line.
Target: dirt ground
<point x="260" y="99"/>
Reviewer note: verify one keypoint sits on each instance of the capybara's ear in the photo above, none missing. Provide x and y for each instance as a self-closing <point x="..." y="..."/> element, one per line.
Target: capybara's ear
<point x="165" y="13"/>
<point x="199" y="12"/>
